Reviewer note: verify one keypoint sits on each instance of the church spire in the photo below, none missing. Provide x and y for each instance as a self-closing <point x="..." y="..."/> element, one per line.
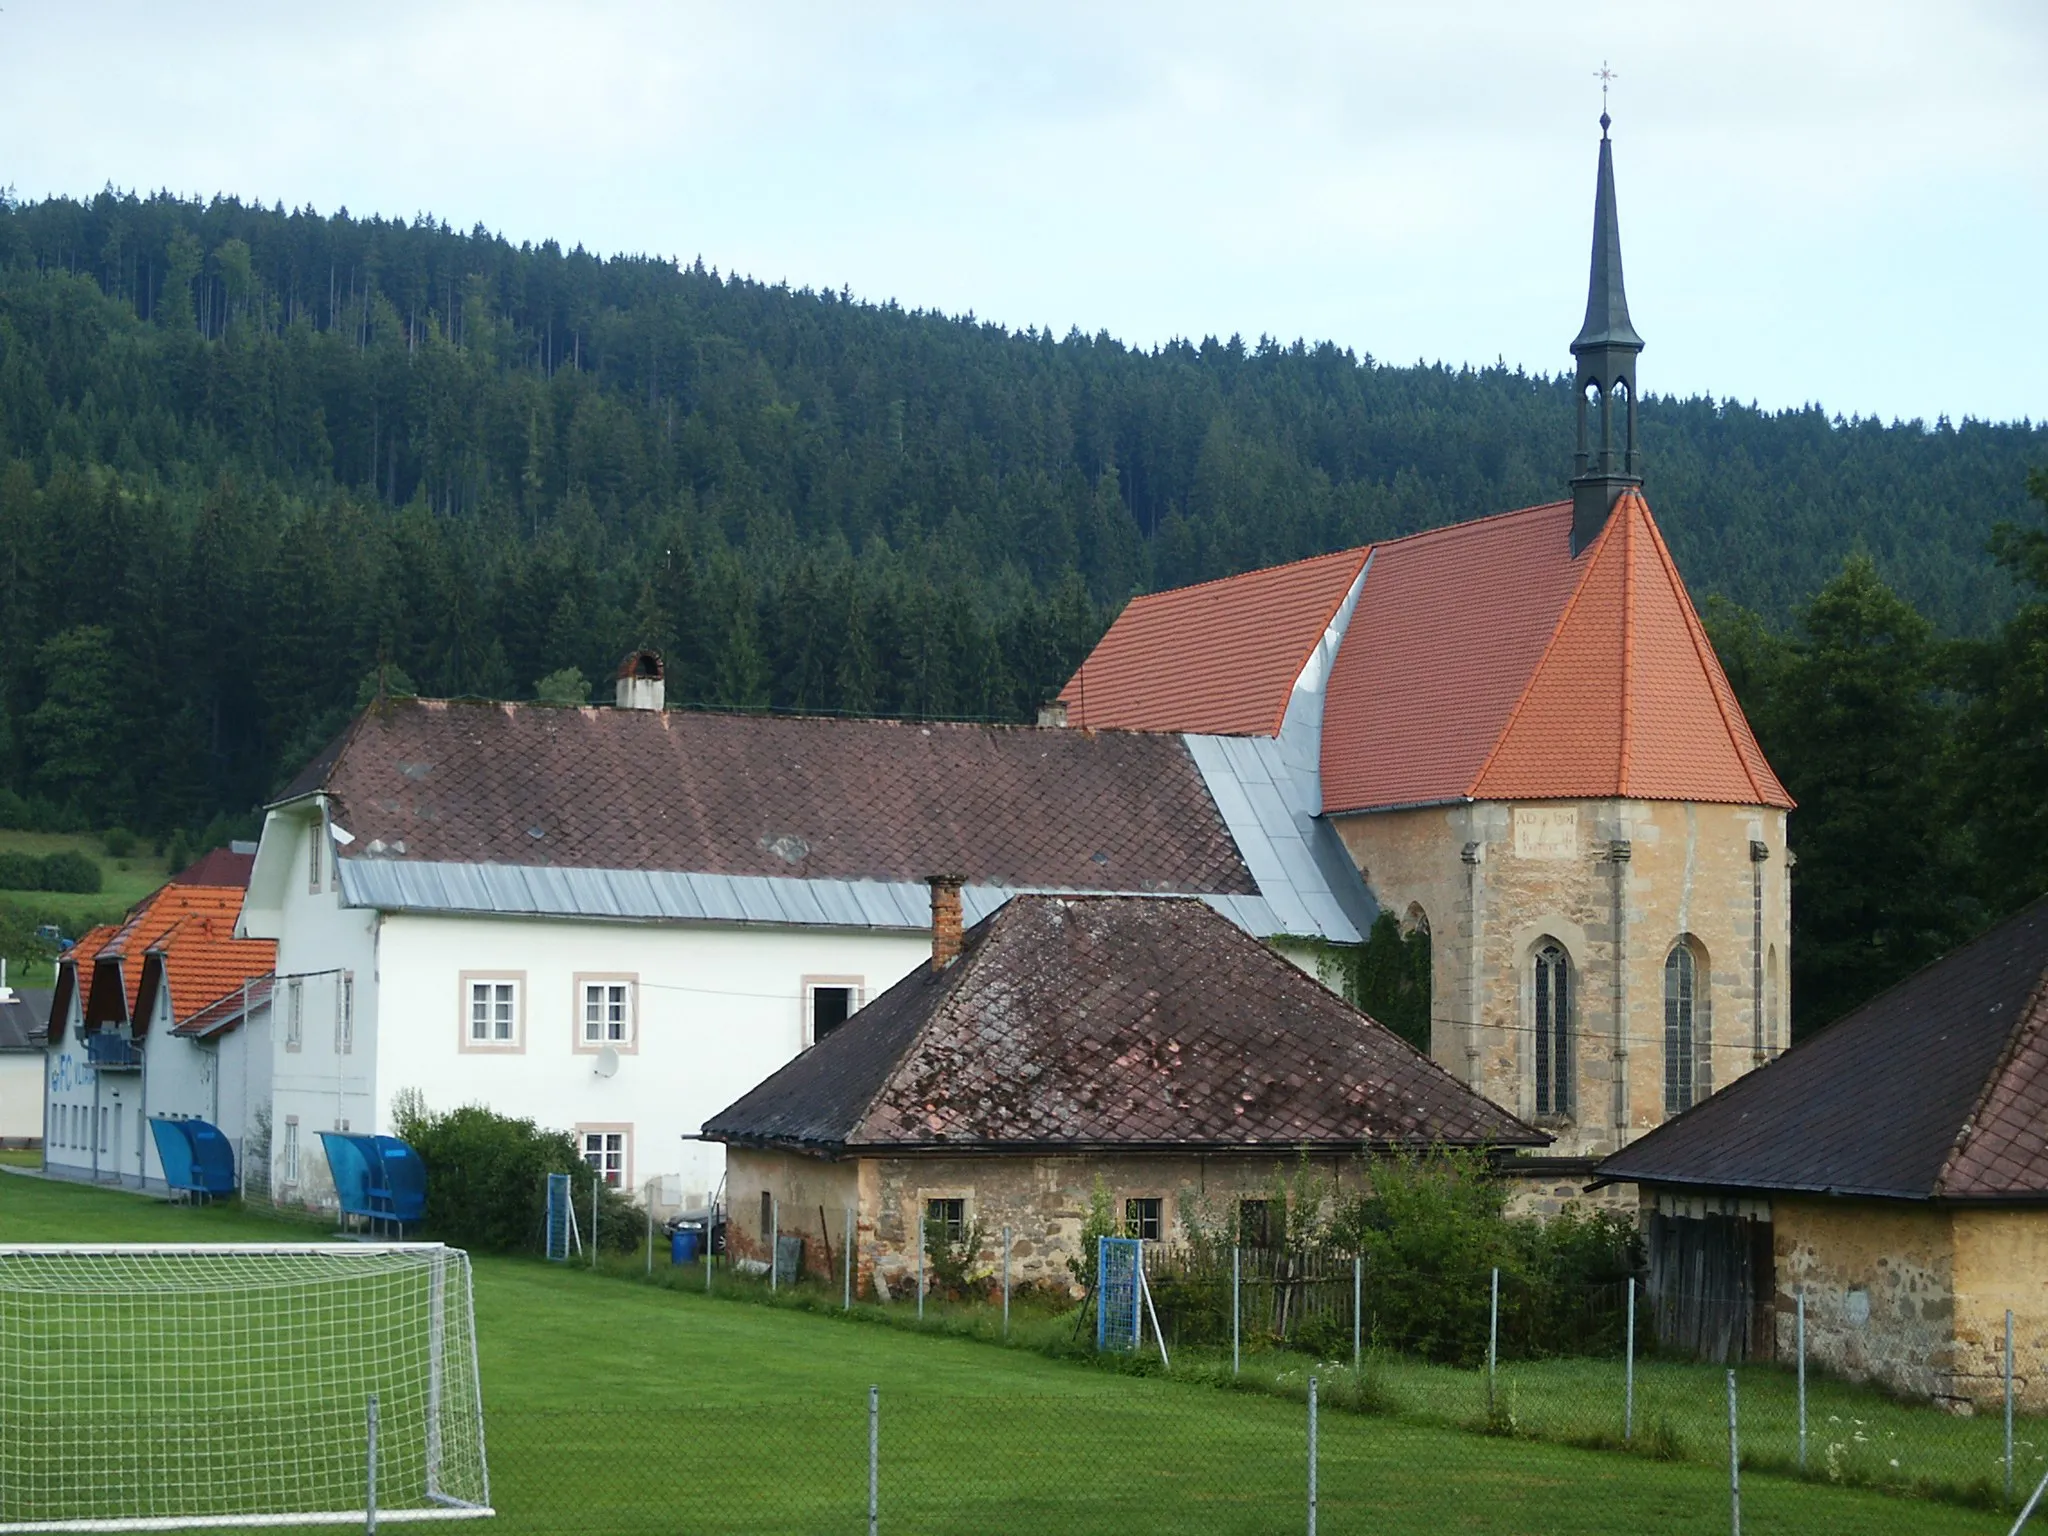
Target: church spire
<point x="1605" y="352"/>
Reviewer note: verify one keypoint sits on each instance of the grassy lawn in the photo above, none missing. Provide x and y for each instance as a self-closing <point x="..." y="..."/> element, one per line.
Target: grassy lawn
<point x="630" y="1408"/>
<point x="124" y="882"/>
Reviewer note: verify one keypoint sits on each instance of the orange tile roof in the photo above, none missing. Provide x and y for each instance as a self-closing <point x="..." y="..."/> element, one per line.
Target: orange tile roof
<point x="1484" y="661"/>
<point x="192" y="928"/>
<point x="1218" y="659"/>
<point x="1449" y="627"/>
<point x="1629" y="700"/>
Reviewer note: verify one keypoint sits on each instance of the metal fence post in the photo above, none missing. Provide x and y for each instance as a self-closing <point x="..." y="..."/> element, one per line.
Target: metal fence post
<point x="1628" y="1386"/>
<point x="1800" y="1331"/>
<point x="1734" y="1466"/>
<point x="1357" y="1311"/>
<point x="1006" y="1282"/>
<point x="650" y="1238"/>
<point x="1235" y="1294"/>
<point x="774" y="1244"/>
<point x="370" y="1469"/>
<point x="874" y="1459"/>
<point x="847" y="1247"/>
<point x="594" y="1185"/>
<point x="1311" y="1456"/>
<point x="1493" y="1341"/>
<point x="920" y="1266"/>
<point x="2008" y="1405"/>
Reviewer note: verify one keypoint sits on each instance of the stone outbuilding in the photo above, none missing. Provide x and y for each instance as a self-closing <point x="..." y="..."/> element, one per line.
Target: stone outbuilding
<point x="1146" y="1042"/>
<point x="1893" y="1167"/>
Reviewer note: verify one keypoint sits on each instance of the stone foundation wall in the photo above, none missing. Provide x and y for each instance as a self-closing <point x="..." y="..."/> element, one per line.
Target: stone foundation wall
<point x="1043" y="1200"/>
<point x="2001" y="1261"/>
<point x="1879" y="1278"/>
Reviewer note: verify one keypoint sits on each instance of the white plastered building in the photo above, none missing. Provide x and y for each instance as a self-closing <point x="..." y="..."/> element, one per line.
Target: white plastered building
<point x="616" y="921"/>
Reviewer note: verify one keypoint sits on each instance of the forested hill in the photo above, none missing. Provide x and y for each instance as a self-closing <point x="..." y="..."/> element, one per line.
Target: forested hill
<point x="251" y="456"/>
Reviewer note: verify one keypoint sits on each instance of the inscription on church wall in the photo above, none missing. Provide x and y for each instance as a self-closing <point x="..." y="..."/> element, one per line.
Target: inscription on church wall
<point x="1546" y="831"/>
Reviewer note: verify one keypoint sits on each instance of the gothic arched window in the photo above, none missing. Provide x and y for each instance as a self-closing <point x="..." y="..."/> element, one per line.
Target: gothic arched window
<point x="1553" y="1013"/>
<point x="1681" y="1035"/>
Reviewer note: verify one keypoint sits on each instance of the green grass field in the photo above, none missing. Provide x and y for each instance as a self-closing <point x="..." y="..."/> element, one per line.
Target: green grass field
<point x="629" y="1408"/>
<point x="123" y="882"/>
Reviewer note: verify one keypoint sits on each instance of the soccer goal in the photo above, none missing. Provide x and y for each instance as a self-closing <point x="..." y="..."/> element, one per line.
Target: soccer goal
<point x="154" y="1387"/>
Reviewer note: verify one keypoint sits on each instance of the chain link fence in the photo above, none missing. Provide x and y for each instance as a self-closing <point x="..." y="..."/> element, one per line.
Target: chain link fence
<point x="1506" y="1356"/>
<point x="1152" y="1457"/>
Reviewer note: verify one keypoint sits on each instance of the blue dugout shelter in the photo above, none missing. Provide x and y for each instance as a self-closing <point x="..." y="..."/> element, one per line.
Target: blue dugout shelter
<point x="376" y="1178"/>
<point x="198" y="1160"/>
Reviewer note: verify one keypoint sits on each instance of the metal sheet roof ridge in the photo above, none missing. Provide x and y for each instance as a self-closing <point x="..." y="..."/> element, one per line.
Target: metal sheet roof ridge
<point x="1308" y="654"/>
<point x="1280" y="879"/>
<point x="763" y="901"/>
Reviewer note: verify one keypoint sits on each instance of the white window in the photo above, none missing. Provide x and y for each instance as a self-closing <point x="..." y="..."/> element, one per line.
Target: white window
<point x="829" y="1001"/>
<point x="291" y="1149"/>
<point x="317" y="836"/>
<point x="607" y="1013"/>
<point x="605" y="1148"/>
<point x="345" y="1016"/>
<point x="493" y="1022"/>
<point x="104" y="1121"/>
<point x="294" y="1014"/>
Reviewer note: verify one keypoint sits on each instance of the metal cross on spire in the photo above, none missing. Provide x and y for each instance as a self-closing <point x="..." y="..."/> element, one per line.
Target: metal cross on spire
<point x="1606" y="77"/>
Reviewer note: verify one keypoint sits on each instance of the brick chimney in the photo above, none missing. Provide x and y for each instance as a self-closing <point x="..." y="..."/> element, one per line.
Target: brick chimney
<point x="640" y="682"/>
<point x="945" y="918"/>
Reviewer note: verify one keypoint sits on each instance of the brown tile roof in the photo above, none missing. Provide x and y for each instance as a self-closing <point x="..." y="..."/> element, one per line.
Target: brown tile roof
<point x="189" y="932"/>
<point x="1219" y="659"/>
<point x="217" y="866"/>
<point x="1483" y="661"/>
<point x="528" y="784"/>
<point x="1937" y="1089"/>
<point x="1077" y="1022"/>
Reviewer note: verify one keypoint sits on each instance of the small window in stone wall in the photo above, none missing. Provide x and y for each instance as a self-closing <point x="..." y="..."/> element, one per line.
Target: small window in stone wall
<point x="767" y="1214"/>
<point x="1255" y="1223"/>
<point x="1141" y="1218"/>
<point x="945" y="1221"/>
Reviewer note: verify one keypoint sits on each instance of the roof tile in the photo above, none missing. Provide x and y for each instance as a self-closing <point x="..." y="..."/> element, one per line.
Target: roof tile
<point x="1114" y="1021"/>
<point x="1217" y="659"/>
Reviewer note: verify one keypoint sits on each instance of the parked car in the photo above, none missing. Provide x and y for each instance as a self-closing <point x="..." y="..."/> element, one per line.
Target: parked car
<point x="52" y="935"/>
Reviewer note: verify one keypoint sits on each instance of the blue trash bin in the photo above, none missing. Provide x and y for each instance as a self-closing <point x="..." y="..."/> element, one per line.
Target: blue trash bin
<point x="683" y="1245"/>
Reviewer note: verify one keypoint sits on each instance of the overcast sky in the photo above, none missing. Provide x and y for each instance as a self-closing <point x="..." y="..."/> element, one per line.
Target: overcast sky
<point x="1833" y="202"/>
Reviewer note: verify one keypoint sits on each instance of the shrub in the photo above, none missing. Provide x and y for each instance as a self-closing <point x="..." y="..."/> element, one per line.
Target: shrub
<point x="118" y="841"/>
<point x="178" y="850"/>
<point x="18" y="941"/>
<point x="20" y="872"/>
<point x="15" y="813"/>
<point x="487" y="1179"/>
<point x="72" y="871"/>
<point x="566" y="687"/>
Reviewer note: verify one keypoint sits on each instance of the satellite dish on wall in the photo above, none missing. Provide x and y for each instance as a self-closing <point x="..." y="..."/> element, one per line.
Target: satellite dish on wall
<point x="607" y="1063"/>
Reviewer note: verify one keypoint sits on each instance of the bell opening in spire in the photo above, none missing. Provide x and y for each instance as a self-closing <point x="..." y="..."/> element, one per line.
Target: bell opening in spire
<point x="1605" y="356"/>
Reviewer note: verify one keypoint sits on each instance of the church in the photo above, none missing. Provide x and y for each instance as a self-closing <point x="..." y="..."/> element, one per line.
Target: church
<point x="1522" y="735"/>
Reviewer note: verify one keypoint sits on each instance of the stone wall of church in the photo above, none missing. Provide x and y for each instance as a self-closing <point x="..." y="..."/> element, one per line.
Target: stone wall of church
<point x="1496" y="881"/>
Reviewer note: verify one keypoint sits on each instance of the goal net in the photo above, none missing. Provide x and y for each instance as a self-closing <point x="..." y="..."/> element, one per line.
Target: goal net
<point x="172" y="1386"/>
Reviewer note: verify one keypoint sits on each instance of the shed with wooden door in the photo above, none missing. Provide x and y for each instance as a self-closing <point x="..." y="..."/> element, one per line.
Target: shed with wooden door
<point x="1893" y="1168"/>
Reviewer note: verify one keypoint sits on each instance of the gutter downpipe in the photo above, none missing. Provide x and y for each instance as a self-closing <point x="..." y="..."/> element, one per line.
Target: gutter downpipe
<point x="1473" y="853"/>
<point x="1619" y="853"/>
